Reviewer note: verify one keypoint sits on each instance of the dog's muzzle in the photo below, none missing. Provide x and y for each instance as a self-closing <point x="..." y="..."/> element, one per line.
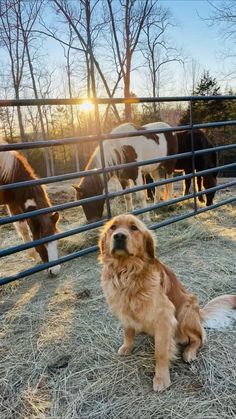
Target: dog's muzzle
<point x="119" y="241"/>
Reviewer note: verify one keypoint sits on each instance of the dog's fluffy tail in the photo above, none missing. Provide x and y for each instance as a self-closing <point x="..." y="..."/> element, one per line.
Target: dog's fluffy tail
<point x="220" y="312"/>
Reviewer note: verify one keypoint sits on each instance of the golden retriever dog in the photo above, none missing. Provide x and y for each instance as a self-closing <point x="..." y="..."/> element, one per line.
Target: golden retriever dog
<point x="147" y="296"/>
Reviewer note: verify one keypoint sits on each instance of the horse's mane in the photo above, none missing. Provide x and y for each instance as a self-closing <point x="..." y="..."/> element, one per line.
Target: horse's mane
<point x="22" y="160"/>
<point x="22" y="171"/>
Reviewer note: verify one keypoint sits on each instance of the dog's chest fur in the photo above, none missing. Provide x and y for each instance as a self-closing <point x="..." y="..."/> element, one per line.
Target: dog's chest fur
<point x="129" y="297"/>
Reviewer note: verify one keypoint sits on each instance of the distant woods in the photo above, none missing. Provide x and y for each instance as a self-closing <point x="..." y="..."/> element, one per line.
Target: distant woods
<point x="86" y="48"/>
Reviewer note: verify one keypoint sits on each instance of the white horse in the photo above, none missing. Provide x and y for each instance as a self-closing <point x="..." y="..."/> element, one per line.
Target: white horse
<point x="126" y="150"/>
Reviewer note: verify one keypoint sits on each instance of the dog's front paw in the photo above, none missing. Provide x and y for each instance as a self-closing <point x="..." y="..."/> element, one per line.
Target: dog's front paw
<point x="124" y="350"/>
<point x="189" y="355"/>
<point x="160" y="383"/>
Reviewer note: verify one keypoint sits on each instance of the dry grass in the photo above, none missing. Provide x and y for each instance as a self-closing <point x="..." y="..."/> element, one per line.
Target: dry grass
<point x="59" y="342"/>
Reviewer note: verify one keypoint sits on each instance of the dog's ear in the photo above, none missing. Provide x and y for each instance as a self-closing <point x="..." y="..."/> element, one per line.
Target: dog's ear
<point x="149" y="244"/>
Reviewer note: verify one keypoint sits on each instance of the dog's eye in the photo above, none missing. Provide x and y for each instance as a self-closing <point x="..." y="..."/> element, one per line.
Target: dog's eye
<point x="133" y="227"/>
<point x="113" y="227"/>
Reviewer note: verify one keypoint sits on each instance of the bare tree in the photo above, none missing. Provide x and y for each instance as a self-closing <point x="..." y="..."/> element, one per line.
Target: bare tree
<point x="192" y="72"/>
<point x="223" y="16"/>
<point x="80" y="21"/>
<point x="67" y="54"/>
<point x="11" y="41"/>
<point x="7" y="115"/>
<point x="28" y="13"/>
<point x="158" y="51"/>
<point x="44" y="82"/>
<point x="127" y="24"/>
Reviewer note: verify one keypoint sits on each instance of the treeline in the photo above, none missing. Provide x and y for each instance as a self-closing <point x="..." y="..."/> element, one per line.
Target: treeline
<point x="66" y="159"/>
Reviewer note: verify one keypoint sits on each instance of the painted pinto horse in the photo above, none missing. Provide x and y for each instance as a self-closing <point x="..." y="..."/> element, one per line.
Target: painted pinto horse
<point x="126" y="150"/>
<point x="15" y="168"/>
<point x="202" y="162"/>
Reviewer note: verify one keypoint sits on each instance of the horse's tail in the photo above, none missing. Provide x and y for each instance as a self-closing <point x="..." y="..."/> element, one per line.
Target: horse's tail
<point x="219" y="312"/>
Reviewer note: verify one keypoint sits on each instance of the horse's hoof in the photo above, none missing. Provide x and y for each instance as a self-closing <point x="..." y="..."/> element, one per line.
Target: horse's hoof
<point x="54" y="270"/>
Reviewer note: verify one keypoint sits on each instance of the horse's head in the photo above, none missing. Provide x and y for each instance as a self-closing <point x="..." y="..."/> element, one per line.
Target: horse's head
<point x="93" y="210"/>
<point x="42" y="226"/>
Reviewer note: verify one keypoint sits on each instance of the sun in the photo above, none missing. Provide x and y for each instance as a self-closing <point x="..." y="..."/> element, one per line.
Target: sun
<point x="86" y="106"/>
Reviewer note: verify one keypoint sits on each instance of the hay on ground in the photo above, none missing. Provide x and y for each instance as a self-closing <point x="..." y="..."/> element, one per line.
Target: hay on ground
<point x="59" y="342"/>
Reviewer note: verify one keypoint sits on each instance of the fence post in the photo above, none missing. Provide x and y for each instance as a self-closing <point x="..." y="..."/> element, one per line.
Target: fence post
<point x="193" y="155"/>
<point x="101" y="148"/>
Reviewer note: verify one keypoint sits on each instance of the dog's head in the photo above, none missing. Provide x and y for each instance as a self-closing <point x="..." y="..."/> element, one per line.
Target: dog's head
<point x="125" y="236"/>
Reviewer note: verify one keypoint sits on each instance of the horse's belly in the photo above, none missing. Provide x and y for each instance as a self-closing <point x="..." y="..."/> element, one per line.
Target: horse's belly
<point x="153" y="151"/>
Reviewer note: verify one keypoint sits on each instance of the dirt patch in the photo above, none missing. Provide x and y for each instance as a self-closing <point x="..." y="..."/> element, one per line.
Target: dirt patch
<point x="59" y="342"/>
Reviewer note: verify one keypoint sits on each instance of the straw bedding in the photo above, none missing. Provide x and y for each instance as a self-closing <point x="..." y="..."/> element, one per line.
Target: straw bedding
<point x="58" y="341"/>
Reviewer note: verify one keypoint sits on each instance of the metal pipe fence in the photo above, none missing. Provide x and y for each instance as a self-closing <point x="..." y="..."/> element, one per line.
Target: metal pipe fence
<point x="105" y="171"/>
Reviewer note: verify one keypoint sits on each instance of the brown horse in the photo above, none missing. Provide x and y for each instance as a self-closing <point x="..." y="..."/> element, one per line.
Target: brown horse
<point x="202" y="162"/>
<point x="15" y="168"/>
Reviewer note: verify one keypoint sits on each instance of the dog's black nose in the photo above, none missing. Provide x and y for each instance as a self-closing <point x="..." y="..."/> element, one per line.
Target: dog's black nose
<point x="120" y="237"/>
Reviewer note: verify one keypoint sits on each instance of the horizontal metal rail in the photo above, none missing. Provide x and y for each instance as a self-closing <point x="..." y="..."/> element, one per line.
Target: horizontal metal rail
<point x="74" y="255"/>
<point x="53" y="237"/>
<point x="47" y="210"/>
<point x="105" y="170"/>
<point x="177" y="200"/>
<point x="110" y="136"/>
<point x="192" y="213"/>
<point x="68" y="205"/>
<point x="97" y="224"/>
<point x="85" y="173"/>
<point x="167" y="181"/>
<point x="43" y="266"/>
<point x="107" y="101"/>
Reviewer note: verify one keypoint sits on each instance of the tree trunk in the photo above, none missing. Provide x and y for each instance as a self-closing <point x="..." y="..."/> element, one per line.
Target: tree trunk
<point x="74" y="147"/>
<point x="19" y="114"/>
<point x="127" y="87"/>
<point x="48" y="163"/>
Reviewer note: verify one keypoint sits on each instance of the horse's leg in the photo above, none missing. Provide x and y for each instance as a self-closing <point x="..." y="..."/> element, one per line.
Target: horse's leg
<point x="209" y="181"/>
<point x="187" y="184"/>
<point x="168" y="192"/>
<point x="145" y="190"/>
<point x="23" y="231"/>
<point x="199" y="185"/>
<point x="141" y="196"/>
<point x="128" y="197"/>
<point x="150" y="191"/>
<point x="156" y="178"/>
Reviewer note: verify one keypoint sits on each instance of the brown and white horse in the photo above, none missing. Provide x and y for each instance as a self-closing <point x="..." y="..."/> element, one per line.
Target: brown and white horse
<point x="126" y="150"/>
<point x="15" y="168"/>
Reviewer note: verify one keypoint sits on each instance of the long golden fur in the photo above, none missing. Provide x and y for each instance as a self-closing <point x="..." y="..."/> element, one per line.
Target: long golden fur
<point x="147" y="296"/>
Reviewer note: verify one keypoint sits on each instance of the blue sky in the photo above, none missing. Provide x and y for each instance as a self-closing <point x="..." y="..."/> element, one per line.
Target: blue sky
<point x="200" y="40"/>
<point x="196" y="37"/>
